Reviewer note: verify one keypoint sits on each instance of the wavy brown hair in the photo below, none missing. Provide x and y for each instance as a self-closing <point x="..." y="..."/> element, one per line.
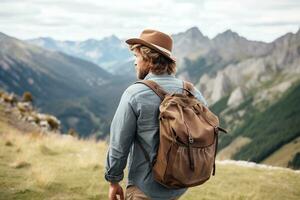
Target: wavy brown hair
<point x="159" y="64"/>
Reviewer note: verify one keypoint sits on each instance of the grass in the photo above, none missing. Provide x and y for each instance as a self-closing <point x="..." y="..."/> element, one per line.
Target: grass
<point x="34" y="166"/>
<point x="283" y="155"/>
<point x="234" y="182"/>
<point x="228" y="152"/>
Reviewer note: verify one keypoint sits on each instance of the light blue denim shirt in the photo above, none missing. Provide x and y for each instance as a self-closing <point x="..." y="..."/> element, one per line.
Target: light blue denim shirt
<point x="137" y="118"/>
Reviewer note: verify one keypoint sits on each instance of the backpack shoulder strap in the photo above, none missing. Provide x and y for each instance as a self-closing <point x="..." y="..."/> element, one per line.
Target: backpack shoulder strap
<point x="188" y="86"/>
<point x="155" y="87"/>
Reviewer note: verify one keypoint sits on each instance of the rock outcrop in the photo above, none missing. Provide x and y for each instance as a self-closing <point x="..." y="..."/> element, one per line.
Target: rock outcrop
<point x="221" y="87"/>
<point x="236" y="97"/>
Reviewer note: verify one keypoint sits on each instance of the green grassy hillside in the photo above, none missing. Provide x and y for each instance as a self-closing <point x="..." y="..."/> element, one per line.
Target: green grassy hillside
<point x="268" y="129"/>
<point x="34" y="167"/>
<point x="285" y="154"/>
<point x="272" y="128"/>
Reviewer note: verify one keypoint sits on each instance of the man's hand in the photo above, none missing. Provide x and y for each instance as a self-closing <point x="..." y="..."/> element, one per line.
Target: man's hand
<point x="114" y="190"/>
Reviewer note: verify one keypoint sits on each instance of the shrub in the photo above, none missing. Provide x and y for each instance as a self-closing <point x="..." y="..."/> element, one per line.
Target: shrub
<point x="27" y="97"/>
<point x="295" y="162"/>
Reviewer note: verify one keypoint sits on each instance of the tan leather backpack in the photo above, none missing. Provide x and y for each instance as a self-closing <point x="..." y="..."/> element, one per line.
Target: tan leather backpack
<point x="188" y="139"/>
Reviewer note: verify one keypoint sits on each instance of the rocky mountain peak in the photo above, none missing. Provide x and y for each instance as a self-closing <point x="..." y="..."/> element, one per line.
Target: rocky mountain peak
<point x="194" y="32"/>
<point x="90" y="41"/>
<point x="2" y="35"/>
<point x="6" y="38"/>
<point x="190" y="43"/>
<point x="49" y="39"/>
<point x="227" y="35"/>
<point x="113" y="39"/>
<point x="106" y="41"/>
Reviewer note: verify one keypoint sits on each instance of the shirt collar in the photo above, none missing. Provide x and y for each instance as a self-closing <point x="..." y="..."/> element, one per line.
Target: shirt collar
<point x="151" y="75"/>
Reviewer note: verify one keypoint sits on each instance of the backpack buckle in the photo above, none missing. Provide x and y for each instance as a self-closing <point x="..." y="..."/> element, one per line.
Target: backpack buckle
<point x="216" y="129"/>
<point x="191" y="140"/>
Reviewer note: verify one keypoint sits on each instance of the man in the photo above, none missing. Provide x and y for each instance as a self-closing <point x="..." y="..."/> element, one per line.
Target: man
<point x="136" y="118"/>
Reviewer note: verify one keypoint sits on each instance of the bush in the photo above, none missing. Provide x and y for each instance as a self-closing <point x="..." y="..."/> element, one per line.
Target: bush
<point x="295" y="162"/>
<point x="54" y="124"/>
<point x="72" y="132"/>
<point x="27" y="97"/>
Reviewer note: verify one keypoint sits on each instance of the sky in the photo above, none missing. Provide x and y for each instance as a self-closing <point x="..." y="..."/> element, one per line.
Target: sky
<point x="263" y="20"/>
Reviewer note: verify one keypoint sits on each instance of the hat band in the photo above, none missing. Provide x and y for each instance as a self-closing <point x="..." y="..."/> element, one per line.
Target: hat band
<point x="162" y="49"/>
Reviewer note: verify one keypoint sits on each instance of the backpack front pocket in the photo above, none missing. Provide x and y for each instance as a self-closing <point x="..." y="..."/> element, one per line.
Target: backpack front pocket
<point x="178" y="172"/>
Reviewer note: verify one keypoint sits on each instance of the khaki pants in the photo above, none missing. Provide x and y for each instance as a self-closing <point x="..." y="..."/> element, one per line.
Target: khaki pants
<point x="134" y="193"/>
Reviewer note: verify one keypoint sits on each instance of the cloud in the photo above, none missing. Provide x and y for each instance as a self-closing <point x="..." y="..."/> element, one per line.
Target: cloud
<point x="79" y="20"/>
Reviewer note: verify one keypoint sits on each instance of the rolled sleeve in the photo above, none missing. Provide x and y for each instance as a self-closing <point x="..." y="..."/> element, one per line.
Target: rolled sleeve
<point x="122" y="132"/>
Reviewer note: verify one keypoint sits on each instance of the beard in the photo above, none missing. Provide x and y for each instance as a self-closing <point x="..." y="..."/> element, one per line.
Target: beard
<point x="142" y="72"/>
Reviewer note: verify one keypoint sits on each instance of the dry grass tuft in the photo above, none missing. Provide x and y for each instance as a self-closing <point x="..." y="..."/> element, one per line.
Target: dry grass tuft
<point x="20" y="164"/>
<point x="9" y="143"/>
<point x="35" y="135"/>
<point x="47" y="151"/>
<point x="42" y="176"/>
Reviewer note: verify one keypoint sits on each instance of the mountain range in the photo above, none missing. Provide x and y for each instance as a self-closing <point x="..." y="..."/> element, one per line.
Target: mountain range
<point x="107" y="52"/>
<point x="251" y="85"/>
<point x="77" y="91"/>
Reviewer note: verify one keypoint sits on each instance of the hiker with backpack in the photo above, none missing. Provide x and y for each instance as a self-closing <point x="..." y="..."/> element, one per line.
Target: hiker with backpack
<point x="163" y="123"/>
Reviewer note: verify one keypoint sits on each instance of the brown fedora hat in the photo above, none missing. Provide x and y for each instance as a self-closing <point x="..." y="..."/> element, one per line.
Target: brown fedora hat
<point x="155" y="40"/>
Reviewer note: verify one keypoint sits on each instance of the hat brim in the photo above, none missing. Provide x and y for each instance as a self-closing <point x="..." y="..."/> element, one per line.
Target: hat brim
<point x="147" y="44"/>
